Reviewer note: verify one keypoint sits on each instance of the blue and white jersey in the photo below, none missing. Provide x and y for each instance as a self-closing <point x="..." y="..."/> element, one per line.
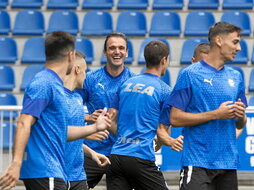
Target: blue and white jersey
<point x="140" y="101"/>
<point x="99" y="89"/>
<point x="45" y="99"/>
<point x="202" y="88"/>
<point x="74" y="154"/>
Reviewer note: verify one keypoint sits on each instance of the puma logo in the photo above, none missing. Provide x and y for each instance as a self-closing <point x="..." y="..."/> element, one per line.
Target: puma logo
<point x="101" y="85"/>
<point x="209" y="81"/>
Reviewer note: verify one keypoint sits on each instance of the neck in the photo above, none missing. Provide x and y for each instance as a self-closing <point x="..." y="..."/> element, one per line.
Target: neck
<point x="59" y="68"/>
<point x="155" y="71"/>
<point x="114" y="71"/>
<point x="215" y="60"/>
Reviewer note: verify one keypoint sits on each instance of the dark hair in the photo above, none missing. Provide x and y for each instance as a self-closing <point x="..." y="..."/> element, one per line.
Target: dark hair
<point x="58" y="44"/>
<point x="201" y="48"/>
<point x="154" y="52"/>
<point x="222" y="28"/>
<point x="115" y="34"/>
<point x="80" y="54"/>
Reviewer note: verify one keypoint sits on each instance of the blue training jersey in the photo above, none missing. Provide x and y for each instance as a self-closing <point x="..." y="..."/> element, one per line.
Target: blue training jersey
<point x="99" y="89"/>
<point x="45" y="100"/>
<point x="74" y="154"/>
<point x="202" y="88"/>
<point x="140" y="101"/>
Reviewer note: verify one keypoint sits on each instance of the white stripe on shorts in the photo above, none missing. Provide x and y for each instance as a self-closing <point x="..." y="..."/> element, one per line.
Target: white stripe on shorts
<point x="190" y="168"/>
<point x="51" y="183"/>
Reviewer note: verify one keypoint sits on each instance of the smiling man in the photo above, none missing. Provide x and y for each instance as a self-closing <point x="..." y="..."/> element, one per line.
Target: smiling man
<point x="209" y="100"/>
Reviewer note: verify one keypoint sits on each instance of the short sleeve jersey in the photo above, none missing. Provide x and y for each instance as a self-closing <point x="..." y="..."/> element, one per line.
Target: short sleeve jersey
<point x="202" y="88"/>
<point x="140" y="101"/>
<point x="74" y="154"/>
<point x="99" y="89"/>
<point x="44" y="99"/>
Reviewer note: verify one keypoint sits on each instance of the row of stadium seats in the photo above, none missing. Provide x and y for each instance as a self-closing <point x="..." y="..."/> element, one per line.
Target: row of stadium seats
<point x="129" y="4"/>
<point x="100" y="22"/>
<point x="7" y="76"/>
<point x="34" y="52"/>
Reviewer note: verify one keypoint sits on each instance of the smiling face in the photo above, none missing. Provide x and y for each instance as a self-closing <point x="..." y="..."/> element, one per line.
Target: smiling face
<point x="116" y="51"/>
<point x="230" y="45"/>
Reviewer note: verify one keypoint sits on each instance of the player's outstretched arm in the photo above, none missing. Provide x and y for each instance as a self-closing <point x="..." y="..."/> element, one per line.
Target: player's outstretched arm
<point x="165" y="139"/>
<point x="103" y="123"/>
<point x="113" y="116"/>
<point x="93" y="117"/>
<point x="9" y="179"/>
<point x="100" y="159"/>
<point x="180" y="118"/>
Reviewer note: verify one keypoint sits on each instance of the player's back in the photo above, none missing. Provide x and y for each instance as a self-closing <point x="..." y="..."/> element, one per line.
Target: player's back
<point x="140" y="101"/>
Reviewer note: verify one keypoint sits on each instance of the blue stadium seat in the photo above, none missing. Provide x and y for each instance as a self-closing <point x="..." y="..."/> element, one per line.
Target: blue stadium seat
<point x="132" y="4"/>
<point x="141" y="58"/>
<point x="29" y="22"/>
<point x="128" y="59"/>
<point x="166" y="77"/>
<point x="8" y="134"/>
<point x="85" y="46"/>
<point x="237" y="4"/>
<point x="252" y="56"/>
<point x="64" y="20"/>
<point x="5" y="23"/>
<point x="188" y="49"/>
<point x="28" y="74"/>
<point x="251" y="81"/>
<point x="136" y="23"/>
<point x="62" y="4"/>
<point x="251" y="101"/>
<point x="97" y="23"/>
<point x="7" y="78"/>
<point x="31" y="4"/>
<point x="238" y="18"/>
<point x="3" y="4"/>
<point x="34" y="51"/>
<point x="242" y="56"/>
<point x="203" y="4"/>
<point x="198" y="23"/>
<point x="97" y="4"/>
<point x="166" y="4"/>
<point x="8" y="50"/>
<point x="165" y="23"/>
<point x="8" y="99"/>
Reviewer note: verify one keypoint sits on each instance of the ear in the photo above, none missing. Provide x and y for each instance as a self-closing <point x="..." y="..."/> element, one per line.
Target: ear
<point x="218" y="40"/>
<point x="193" y="59"/>
<point x="163" y="60"/>
<point x="77" y="69"/>
<point x="71" y="56"/>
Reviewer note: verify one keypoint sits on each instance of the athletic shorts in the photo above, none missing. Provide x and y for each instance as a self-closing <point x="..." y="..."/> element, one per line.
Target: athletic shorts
<point x="45" y="184"/>
<point x="77" y="185"/>
<point x="94" y="173"/>
<point x="197" y="178"/>
<point x="127" y="172"/>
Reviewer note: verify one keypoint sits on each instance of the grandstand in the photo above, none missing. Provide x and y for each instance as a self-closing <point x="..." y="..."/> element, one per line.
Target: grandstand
<point x="138" y="27"/>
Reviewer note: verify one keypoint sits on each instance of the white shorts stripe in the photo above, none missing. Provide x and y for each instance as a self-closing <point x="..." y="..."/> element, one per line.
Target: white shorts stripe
<point x="51" y="183"/>
<point x="190" y="168"/>
<point x="181" y="177"/>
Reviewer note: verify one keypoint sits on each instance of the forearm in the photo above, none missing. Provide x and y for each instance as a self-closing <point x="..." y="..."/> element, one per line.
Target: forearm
<point x="240" y="122"/>
<point x="88" y="151"/>
<point x="179" y="118"/>
<point x="75" y="133"/>
<point x="163" y="135"/>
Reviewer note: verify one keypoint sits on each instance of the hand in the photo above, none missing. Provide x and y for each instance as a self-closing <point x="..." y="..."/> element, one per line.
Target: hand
<point x="239" y="109"/>
<point x="157" y="143"/>
<point x="226" y="111"/>
<point x="177" y="144"/>
<point x="99" y="136"/>
<point x="93" y="117"/>
<point x="10" y="178"/>
<point x="100" y="159"/>
<point x="103" y="121"/>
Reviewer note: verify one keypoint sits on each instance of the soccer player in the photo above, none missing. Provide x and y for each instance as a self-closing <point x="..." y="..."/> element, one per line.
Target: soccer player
<point x="200" y="53"/>
<point x="99" y="89"/>
<point x="41" y="132"/>
<point x="138" y="108"/>
<point x="74" y="155"/>
<point x="209" y="100"/>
